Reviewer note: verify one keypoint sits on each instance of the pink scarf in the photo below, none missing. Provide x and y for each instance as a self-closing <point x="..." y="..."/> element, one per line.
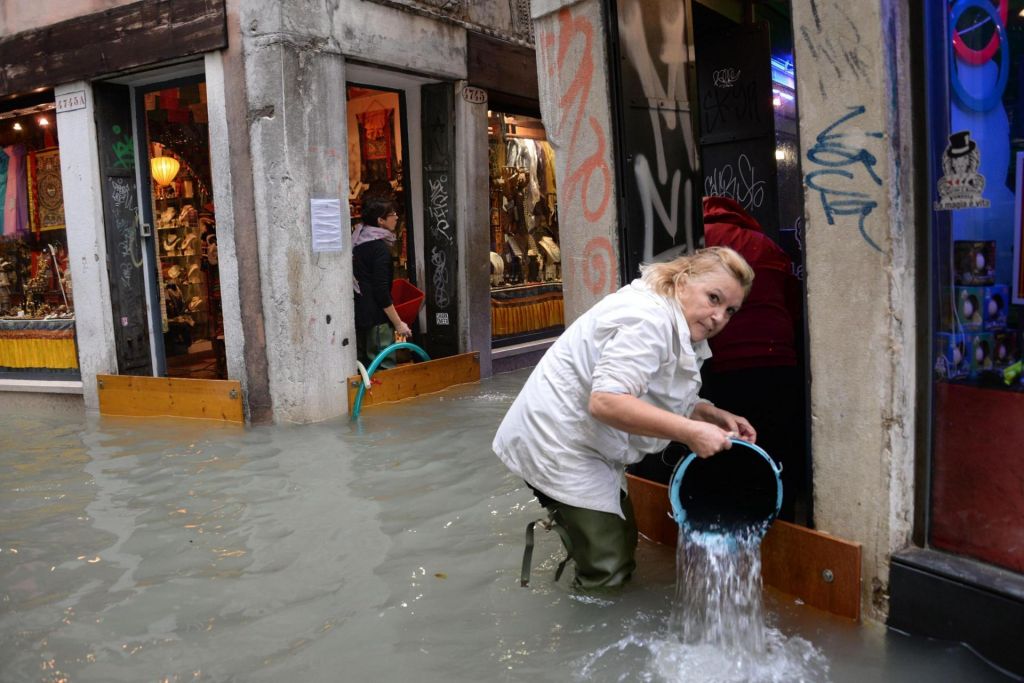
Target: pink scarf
<point x="368" y="233"/>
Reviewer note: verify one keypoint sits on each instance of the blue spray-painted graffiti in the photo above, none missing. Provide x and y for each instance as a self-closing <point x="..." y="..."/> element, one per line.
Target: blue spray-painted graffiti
<point x="837" y="150"/>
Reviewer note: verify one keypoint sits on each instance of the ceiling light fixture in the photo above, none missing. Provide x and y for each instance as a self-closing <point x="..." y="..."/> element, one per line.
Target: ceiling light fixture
<point x="164" y="169"/>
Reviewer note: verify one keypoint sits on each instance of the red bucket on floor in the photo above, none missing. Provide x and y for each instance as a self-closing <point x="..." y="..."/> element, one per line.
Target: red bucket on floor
<point x="407" y="299"/>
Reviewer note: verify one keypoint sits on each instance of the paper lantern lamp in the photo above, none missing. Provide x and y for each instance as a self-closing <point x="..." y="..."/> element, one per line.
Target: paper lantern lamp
<point x="164" y="169"/>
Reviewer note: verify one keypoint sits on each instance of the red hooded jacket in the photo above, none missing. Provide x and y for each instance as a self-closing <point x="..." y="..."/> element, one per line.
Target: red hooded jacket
<point x="763" y="332"/>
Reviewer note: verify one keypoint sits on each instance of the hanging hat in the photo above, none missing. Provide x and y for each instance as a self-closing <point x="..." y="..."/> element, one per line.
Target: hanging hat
<point x="960" y="143"/>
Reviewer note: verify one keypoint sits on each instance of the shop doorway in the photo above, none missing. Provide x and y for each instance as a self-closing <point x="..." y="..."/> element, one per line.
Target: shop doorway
<point x="708" y="156"/>
<point x="377" y="154"/>
<point x="179" y="216"/>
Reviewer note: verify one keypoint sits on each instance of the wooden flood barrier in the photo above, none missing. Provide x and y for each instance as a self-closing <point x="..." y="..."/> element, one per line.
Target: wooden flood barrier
<point x="416" y="379"/>
<point x="207" y="399"/>
<point x="822" y="570"/>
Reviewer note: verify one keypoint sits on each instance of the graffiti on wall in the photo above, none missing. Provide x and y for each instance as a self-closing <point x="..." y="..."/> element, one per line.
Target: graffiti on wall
<point x="842" y="162"/>
<point x="599" y="265"/>
<point x="740" y="183"/>
<point x="839" y="52"/>
<point x="440" y="229"/>
<point x="841" y="166"/>
<point x="658" y="58"/>
<point x="569" y="53"/>
<point x="123" y="148"/>
<point x="126" y="230"/>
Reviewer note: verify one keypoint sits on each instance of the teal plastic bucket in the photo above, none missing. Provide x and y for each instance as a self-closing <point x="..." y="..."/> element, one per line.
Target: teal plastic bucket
<point x="736" y="492"/>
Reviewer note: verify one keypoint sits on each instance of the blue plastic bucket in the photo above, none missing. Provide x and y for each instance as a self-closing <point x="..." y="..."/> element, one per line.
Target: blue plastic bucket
<point x="736" y="492"/>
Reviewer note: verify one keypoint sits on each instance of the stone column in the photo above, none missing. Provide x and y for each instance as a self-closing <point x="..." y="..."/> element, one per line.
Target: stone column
<point x="295" y="88"/>
<point x="224" y="193"/>
<point x="851" y="61"/>
<point x="87" y="248"/>
<point x="233" y="189"/>
<point x="574" y="100"/>
<point x="472" y="187"/>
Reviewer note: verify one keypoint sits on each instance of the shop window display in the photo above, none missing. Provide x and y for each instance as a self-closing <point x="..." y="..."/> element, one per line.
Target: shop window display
<point x="526" y="259"/>
<point x="976" y="105"/>
<point x="37" y="322"/>
<point x="185" y="235"/>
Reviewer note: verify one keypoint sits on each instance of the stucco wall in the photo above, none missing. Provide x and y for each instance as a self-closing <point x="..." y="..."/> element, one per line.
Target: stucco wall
<point x="21" y="15"/>
<point x="389" y="37"/>
<point x="507" y="19"/>
<point x="39" y="402"/>
<point x="503" y="16"/>
<point x="859" y="275"/>
<point x="574" y="102"/>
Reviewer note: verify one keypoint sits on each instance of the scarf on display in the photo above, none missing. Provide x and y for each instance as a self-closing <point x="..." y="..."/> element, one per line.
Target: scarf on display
<point x="368" y="233"/>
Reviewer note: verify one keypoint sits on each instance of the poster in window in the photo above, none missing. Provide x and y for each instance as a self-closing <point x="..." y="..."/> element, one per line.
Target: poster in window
<point x="45" y="191"/>
<point x="376" y="144"/>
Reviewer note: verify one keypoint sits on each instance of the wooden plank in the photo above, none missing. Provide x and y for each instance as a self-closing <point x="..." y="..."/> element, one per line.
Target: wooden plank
<point x="129" y="36"/>
<point x="209" y="399"/>
<point x="821" y="570"/>
<point x="794" y="559"/>
<point x="416" y="379"/>
<point x="652" y="510"/>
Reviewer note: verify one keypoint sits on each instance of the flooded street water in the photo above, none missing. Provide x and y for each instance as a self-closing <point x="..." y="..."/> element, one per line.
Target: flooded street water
<point x="383" y="550"/>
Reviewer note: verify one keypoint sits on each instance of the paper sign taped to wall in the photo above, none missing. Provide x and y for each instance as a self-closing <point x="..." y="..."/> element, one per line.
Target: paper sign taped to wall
<point x="325" y="218"/>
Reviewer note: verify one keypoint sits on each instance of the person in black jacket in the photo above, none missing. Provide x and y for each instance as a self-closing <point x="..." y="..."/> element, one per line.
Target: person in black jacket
<point x="377" y="322"/>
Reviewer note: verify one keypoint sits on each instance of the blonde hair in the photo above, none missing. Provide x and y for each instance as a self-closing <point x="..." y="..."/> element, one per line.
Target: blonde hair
<point x="665" y="277"/>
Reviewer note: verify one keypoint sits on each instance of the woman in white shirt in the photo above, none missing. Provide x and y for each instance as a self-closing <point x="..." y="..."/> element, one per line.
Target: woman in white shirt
<point x="622" y="381"/>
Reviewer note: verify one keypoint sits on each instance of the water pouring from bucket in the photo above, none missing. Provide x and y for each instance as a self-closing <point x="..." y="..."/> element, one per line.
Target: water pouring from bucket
<point x="723" y="505"/>
<point x="735" y="494"/>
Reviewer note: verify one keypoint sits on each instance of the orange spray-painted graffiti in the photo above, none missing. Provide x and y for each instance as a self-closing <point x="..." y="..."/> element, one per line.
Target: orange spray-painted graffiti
<point x="569" y="53"/>
<point x="599" y="272"/>
<point x="573" y="103"/>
